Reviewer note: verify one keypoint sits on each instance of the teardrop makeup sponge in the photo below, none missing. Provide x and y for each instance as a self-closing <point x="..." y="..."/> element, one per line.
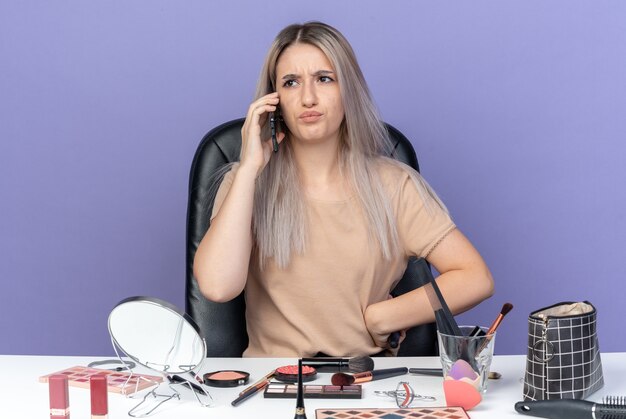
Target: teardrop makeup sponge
<point x="460" y="393"/>
<point x="462" y="369"/>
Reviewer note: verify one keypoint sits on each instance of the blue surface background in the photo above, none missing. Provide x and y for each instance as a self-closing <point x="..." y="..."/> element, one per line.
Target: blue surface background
<point x="516" y="109"/>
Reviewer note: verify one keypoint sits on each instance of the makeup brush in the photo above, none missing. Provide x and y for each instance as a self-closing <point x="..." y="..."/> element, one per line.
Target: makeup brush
<point x="438" y="372"/>
<point x="341" y="379"/>
<point x="300" y="412"/>
<point x="394" y="340"/>
<point x="329" y="364"/>
<point x="266" y="377"/>
<point x="505" y="310"/>
<point x="611" y="408"/>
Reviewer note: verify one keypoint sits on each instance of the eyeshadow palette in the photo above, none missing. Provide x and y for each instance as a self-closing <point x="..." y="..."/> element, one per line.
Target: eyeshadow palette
<point x="398" y="413"/>
<point x="79" y="377"/>
<point x="289" y="391"/>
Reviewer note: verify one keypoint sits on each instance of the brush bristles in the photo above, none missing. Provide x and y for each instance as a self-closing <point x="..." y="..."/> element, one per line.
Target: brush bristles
<point x="341" y="379"/>
<point x="506" y="308"/>
<point x="360" y="364"/>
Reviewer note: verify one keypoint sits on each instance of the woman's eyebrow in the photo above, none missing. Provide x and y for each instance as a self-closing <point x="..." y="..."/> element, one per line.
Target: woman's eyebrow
<point x="323" y="72"/>
<point x="317" y="73"/>
<point x="290" y="76"/>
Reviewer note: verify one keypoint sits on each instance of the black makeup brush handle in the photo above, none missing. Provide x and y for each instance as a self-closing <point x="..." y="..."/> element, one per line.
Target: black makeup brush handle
<point x="436" y="372"/>
<point x="394" y="340"/>
<point x="561" y="409"/>
<point x="388" y="372"/>
<point x="327" y="364"/>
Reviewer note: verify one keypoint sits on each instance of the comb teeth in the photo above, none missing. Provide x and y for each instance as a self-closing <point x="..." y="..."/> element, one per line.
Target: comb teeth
<point x="614" y="401"/>
<point x="612" y="407"/>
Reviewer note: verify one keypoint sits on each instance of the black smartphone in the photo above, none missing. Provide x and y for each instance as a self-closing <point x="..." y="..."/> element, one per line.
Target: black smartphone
<point x="274" y="128"/>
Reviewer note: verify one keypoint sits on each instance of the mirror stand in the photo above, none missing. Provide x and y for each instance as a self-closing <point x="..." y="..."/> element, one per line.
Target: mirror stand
<point x="166" y="397"/>
<point x="125" y="390"/>
<point x="189" y="384"/>
<point x="171" y="361"/>
<point x="153" y="394"/>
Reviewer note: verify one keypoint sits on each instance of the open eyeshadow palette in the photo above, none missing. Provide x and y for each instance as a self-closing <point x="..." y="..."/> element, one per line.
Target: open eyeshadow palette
<point x="289" y="391"/>
<point x="79" y="377"/>
<point x="412" y="413"/>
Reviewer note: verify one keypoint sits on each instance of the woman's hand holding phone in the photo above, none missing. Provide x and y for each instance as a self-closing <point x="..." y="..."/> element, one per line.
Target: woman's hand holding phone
<point x="255" y="151"/>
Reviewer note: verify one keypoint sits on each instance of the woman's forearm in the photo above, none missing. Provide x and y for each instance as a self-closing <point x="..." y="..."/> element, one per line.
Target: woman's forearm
<point x="464" y="282"/>
<point x="461" y="289"/>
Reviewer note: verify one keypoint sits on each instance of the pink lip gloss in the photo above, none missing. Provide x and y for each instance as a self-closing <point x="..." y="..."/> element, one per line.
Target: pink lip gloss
<point x="59" y="397"/>
<point x="99" y="397"/>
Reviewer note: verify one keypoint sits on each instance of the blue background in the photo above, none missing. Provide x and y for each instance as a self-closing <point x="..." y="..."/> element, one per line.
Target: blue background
<point x="516" y="109"/>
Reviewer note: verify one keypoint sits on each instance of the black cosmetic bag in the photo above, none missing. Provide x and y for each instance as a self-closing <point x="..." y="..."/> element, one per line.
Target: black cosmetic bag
<point x="563" y="359"/>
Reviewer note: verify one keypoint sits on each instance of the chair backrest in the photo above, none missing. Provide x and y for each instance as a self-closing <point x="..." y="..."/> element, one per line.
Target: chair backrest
<point x="223" y="325"/>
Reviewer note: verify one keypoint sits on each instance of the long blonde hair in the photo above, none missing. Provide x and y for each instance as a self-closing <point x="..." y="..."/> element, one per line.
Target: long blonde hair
<point x="279" y="215"/>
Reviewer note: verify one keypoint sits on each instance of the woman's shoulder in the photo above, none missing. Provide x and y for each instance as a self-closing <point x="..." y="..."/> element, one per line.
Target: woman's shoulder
<point x="393" y="172"/>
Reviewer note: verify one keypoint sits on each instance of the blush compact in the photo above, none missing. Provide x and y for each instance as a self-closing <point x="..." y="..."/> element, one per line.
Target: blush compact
<point x="226" y="378"/>
<point x="289" y="373"/>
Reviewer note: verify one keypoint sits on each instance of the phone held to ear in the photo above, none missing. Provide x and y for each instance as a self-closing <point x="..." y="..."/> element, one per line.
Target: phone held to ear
<point x="274" y="121"/>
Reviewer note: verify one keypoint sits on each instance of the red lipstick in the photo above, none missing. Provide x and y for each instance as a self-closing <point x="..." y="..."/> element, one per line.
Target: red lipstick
<point x="99" y="397"/>
<point x="59" y="397"/>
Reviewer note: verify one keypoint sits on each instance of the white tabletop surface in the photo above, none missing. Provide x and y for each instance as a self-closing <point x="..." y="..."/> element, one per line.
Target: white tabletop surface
<point x="22" y="396"/>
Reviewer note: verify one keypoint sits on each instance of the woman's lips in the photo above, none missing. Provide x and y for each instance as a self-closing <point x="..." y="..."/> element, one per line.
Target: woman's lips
<point x="310" y="116"/>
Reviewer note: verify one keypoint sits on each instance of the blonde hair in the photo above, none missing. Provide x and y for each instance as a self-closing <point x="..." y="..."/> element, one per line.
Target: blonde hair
<point x="279" y="216"/>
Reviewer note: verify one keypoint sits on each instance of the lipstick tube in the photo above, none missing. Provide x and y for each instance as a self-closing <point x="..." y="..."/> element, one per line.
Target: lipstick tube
<point x="99" y="397"/>
<point x="59" y="397"/>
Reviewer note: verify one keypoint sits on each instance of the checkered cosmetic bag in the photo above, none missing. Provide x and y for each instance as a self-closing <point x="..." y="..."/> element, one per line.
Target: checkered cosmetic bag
<point x="563" y="360"/>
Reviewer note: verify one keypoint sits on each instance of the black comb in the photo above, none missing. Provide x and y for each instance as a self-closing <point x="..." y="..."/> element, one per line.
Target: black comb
<point x="612" y="407"/>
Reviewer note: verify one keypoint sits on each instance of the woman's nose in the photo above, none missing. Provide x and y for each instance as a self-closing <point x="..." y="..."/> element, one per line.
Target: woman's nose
<point x="309" y="95"/>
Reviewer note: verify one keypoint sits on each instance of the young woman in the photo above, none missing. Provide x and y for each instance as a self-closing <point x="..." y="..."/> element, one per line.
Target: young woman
<point x="319" y="232"/>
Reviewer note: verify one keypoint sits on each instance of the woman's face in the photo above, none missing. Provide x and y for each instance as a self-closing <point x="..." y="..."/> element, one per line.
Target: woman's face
<point x="308" y="89"/>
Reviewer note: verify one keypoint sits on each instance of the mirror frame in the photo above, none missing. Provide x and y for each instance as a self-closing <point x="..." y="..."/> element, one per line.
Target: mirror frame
<point x="168" y="306"/>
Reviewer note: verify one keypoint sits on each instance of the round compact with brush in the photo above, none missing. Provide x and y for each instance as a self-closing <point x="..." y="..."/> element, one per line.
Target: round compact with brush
<point x="226" y="378"/>
<point x="289" y="374"/>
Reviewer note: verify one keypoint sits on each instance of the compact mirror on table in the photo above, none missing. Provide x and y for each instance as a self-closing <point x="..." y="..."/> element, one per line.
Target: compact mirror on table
<point x="159" y="336"/>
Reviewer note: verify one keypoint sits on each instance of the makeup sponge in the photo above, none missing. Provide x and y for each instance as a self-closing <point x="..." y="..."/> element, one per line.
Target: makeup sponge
<point x="461" y="393"/>
<point x="462" y="369"/>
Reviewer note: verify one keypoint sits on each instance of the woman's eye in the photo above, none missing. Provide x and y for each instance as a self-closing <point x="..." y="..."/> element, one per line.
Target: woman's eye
<point x="290" y="83"/>
<point x="326" y="79"/>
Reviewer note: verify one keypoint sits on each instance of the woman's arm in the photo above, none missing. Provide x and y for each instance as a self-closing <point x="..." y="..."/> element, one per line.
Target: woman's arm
<point x="223" y="256"/>
<point x="221" y="261"/>
<point x="464" y="282"/>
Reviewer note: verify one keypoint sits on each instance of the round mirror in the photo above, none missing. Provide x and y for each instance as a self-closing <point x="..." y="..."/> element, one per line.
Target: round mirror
<point x="157" y="335"/>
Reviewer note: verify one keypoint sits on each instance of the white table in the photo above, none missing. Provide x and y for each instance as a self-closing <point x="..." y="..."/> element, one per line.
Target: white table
<point x="22" y="396"/>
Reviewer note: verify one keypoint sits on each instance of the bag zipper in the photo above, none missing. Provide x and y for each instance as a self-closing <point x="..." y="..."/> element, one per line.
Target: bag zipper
<point x="548" y="354"/>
